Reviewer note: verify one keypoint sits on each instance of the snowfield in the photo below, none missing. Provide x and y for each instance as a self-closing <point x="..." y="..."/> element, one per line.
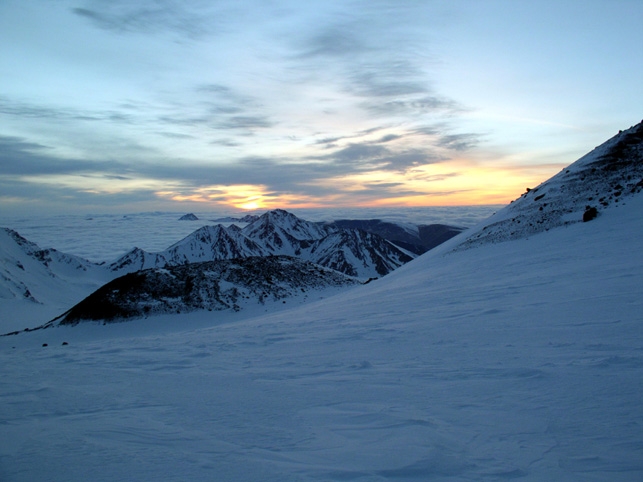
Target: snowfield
<point x="520" y="359"/>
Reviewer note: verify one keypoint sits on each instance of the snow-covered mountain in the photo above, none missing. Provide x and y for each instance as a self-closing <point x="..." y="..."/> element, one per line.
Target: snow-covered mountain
<point x="40" y="275"/>
<point x="213" y="286"/>
<point x="605" y="177"/>
<point x="358" y="253"/>
<point x="417" y="238"/>
<point x="57" y="280"/>
<point x="208" y="243"/>
<point x="277" y="232"/>
<point x="281" y="232"/>
<point x="189" y="275"/>
<point x="517" y="358"/>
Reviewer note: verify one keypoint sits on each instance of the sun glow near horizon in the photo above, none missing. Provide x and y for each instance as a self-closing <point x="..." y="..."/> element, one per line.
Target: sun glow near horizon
<point x="456" y="183"/>
<point x="250" y="206"/>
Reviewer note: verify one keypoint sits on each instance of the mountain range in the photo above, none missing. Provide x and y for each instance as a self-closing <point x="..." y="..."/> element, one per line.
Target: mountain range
<point x="52" y="278"/>
<point x="277" y="232"/>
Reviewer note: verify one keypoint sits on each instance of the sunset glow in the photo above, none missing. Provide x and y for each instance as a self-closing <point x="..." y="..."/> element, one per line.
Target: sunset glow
<point x="137" y="106"/>
<point x="251" y="205"/>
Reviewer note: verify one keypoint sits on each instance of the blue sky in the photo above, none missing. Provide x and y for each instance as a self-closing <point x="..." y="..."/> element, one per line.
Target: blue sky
<point x="122" y="106"/>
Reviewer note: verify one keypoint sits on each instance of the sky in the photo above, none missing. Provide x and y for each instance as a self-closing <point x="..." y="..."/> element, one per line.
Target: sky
<point x="196" y="105"/>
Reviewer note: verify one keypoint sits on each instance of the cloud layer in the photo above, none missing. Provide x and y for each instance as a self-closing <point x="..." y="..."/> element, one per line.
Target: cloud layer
<point x="121" y="104"/>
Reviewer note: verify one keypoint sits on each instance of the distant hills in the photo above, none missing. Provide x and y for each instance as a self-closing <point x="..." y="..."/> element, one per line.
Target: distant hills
<point x="415" y="238"/>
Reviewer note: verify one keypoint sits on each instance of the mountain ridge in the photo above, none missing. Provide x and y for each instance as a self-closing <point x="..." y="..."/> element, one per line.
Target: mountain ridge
<point x="276" y="232"/>
<point x="601" y="179"/>
<point x="61" y="280"/>
<point x="219" y="285"/>
<point x="417" y="238"/>
<point x="40" y="275"/>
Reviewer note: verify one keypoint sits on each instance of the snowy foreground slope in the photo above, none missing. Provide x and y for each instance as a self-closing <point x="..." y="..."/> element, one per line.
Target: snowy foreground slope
<point x="520" y="359"/>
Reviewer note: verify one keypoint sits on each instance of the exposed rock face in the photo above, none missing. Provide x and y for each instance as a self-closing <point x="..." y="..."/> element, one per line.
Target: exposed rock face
<point x="188" y="217"/>
<point x="215" y="286"/>
<point x="590" y="214"/>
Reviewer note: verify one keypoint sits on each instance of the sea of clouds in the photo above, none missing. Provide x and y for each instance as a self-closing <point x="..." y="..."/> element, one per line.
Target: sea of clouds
<point x="105" y="237"/>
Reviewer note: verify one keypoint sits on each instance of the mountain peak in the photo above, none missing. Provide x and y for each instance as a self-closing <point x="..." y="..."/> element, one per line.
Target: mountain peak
<point x="279" y="214"/>
<point x="283" y="232"/>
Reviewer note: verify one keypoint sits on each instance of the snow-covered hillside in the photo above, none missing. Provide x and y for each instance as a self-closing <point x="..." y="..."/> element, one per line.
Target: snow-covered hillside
<point x="40" y="281"/>
<point x="605" y="177"/>
<point x="28" y="272"/>
<point x="519" y="359"/>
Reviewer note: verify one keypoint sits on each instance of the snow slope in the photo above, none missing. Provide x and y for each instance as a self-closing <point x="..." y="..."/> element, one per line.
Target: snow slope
<point x="41" y="282"/>
<point x="605" y="177"/>
<point x="520" y="359"/>
<point x="28" y="272"/>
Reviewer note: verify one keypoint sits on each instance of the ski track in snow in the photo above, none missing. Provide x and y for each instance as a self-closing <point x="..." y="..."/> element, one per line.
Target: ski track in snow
<point x="517" y="360"/>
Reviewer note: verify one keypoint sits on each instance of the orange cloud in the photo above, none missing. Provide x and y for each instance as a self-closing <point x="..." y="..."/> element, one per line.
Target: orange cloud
<point x="450" y="183"/>
<point x="243" y="196"/>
